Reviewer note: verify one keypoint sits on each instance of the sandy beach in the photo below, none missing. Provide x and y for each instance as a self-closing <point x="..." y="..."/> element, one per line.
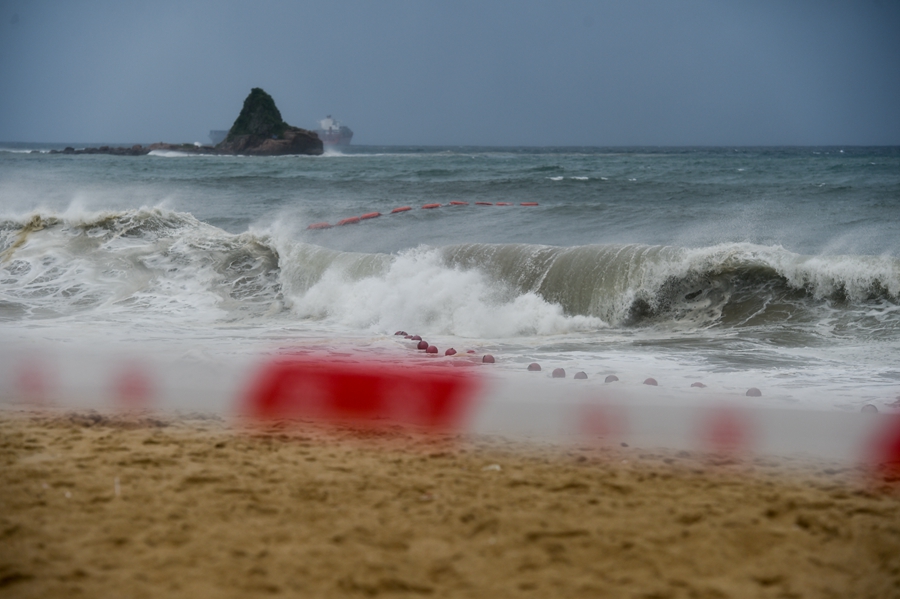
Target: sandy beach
<point x="196" y="506"/>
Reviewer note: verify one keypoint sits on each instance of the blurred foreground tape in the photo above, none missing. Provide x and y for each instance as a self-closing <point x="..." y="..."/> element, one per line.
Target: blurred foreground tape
<point x="365" y="393"/>
<point x="885" y="450"/>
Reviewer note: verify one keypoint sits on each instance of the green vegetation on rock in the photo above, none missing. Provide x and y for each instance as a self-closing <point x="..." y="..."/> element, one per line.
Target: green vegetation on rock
<point x="259" y="117"/>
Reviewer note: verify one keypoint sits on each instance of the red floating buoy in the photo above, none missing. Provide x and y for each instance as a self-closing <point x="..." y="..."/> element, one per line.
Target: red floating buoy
<point x="416" y="338"/>
<point x="528" y="204"/>
<point x="483" y="204"/>
<point x="320" y="226"/>
<point x="698" y="384"/>
<point x="534" y="367"/>
<point x="580" y="375"/>
<point x="422" y="345"/>
<point x="431" y="349"/>
<point x="504" y="204"/>
<point x="400" y="333"/>
<point x="369" y="215"/>
<point x="430" y="206"/>
<point x="455" y="203"/>
<point x="487" y="359"/>
<point x="611" y="378"/>
<point x="559" y="373"/>
<point x="401" y="209"/>
<point x="753" y="392"/>
<point x="450" y="352"/>
<point x="651" y="381"/>
<point x="349" y="221"/>
<point x="470" y="351"/>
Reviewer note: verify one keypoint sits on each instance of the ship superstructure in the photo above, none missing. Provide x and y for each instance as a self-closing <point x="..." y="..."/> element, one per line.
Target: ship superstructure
<point x="332" y="133"/>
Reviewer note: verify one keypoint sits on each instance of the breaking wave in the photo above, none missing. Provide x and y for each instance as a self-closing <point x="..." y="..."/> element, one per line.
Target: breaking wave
<point x="170" y="264"/>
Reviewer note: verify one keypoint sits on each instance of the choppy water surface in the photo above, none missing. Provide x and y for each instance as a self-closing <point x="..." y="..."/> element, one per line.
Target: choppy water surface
<point x="776" y="268"/>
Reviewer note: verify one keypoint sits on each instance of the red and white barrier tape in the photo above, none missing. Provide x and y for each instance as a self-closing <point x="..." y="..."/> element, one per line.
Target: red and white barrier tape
<point x="440" y="398"/>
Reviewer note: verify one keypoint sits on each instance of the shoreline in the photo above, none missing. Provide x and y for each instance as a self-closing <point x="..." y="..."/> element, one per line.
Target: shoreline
<point x="196" y="505"/>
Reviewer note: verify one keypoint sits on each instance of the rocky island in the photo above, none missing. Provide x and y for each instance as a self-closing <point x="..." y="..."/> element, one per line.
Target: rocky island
<point x="258" y="130"/>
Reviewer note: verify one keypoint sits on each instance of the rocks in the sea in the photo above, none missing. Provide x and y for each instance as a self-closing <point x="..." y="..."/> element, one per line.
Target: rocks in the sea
<point x="135" y="150"/>
<point x="259" y="130"/>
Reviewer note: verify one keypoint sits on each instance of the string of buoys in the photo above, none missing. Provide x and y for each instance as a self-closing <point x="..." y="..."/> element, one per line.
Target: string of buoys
<point x="352" y="220"/>
<point x="560" y="373"/>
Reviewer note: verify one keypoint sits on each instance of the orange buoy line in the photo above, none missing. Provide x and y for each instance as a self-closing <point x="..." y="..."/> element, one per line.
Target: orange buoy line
<point x="370" y="215"/>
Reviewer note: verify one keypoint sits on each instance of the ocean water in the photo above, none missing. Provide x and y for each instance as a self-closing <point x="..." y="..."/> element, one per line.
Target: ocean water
<point x="775" y="268"/>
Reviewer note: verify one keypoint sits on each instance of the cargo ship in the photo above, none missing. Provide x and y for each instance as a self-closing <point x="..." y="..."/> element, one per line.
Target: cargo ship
<point x="332" y="133"/>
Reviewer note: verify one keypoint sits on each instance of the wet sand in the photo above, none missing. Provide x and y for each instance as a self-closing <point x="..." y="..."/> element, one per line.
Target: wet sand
<point x="195" y="506"/>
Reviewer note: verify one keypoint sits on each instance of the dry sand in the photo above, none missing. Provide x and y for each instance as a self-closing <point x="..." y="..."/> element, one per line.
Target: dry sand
<point x="192" y="506"/>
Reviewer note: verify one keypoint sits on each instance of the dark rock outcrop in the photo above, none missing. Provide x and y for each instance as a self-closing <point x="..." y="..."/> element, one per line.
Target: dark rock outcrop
<point x="259" y="130"/>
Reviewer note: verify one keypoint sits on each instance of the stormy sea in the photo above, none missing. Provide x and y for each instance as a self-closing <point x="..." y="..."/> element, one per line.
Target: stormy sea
<point x="774" y="268"/>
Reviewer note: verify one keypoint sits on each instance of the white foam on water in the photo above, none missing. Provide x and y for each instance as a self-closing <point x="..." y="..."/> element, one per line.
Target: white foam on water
<point x="419" y="291"/>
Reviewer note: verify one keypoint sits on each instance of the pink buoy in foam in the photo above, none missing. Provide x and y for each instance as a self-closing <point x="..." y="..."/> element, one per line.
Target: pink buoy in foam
<point x="698" y="384"/>
<point x="422" y="345"/>
<point x="611" y="379"/>
<point x="450" y="352"/>
<point x="487" y="359"/>
<point x="559" y="373"/>
<point x="431" y="349"/>
<point x="651" y="381"/>
<point x="400" y="333"/>
<point x="753" y="392"/>
<point x="580" y="375"/>
<point x="534" y="367"/>
<point x="416" y="338"/>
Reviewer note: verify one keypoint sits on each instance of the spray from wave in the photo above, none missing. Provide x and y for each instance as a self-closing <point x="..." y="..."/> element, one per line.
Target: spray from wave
<point x="155" y="260"/>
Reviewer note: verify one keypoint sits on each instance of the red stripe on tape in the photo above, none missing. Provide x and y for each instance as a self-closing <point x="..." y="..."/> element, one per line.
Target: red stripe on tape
<point x="885" y="450"/>
<point x="374" y="394"/>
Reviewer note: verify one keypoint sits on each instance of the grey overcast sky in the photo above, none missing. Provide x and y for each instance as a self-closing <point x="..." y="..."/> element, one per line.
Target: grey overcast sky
<point x="460" y="72"/>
